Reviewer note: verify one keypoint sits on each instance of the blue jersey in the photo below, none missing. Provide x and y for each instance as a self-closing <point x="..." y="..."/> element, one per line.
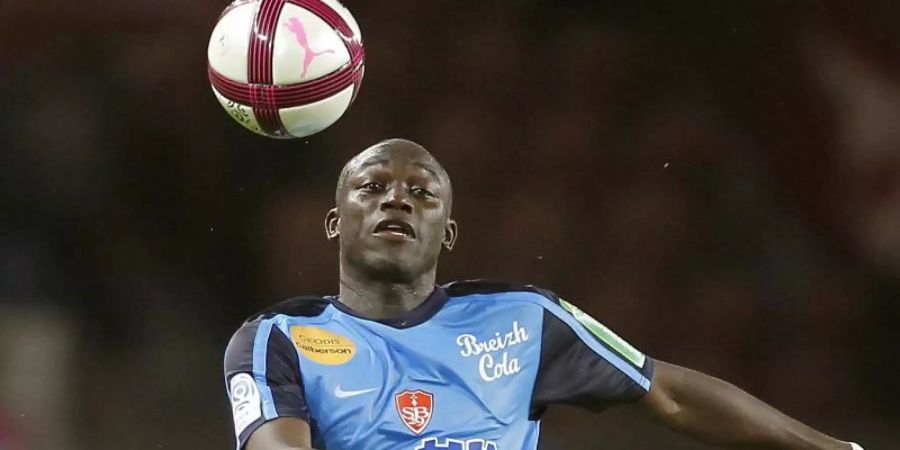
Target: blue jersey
<point x="472" y="368"/>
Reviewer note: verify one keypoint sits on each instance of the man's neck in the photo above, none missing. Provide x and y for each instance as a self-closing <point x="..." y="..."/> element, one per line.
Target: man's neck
<point x="381" y="300"/>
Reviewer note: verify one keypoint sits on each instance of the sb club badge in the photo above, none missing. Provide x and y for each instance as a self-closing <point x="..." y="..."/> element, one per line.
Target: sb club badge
<point x="415" y="409"/>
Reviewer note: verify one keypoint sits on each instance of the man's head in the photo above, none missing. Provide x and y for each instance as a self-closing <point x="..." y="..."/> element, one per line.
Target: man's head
<point x="393" y="212"/>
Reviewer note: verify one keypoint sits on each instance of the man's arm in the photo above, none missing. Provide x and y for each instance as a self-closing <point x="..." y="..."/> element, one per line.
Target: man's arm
<point x="286" y="433"/>
<point x="719" y="413"/>
<point x="266" y="393"/>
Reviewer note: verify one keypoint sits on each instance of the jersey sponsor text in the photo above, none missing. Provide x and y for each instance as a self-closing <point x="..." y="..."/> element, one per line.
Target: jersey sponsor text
<point x="492" y="368"/>
<point x="323" y="346"/>
<point x="456" y="444"/>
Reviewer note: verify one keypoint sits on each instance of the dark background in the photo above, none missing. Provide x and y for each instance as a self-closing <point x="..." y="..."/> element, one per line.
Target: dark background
<point x="717" y="181"/>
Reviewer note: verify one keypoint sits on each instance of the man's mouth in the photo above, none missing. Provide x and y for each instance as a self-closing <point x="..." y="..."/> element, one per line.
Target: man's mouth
<point x="396" y="229"/>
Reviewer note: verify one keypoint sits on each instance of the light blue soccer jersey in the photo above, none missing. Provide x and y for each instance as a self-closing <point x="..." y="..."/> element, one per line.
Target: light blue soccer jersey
<point x="472" y="368"/>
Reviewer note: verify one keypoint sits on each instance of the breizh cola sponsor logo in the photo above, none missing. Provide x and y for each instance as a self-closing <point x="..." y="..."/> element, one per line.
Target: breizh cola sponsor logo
<point x="494" y="361"/>
<point x="323" y="346"/>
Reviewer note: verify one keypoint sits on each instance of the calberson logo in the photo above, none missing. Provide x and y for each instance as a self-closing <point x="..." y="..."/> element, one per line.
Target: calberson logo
<point x="323" y="346"/>
<point x="489" y="367"/>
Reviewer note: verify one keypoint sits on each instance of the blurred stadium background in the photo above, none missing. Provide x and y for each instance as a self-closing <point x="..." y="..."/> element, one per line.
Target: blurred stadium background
<point x="717" y="181"/>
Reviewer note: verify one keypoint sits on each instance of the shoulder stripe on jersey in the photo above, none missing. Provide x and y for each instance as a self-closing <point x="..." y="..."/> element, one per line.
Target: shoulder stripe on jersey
<point x="606" y="335"/>
<point x="260" y="351"/>
<point x="591" y="342"/>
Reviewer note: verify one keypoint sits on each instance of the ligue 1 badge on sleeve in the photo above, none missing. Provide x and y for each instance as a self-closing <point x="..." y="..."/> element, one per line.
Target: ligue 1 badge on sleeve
<point x="415" y="408"/>
<point x="246" y="404"/>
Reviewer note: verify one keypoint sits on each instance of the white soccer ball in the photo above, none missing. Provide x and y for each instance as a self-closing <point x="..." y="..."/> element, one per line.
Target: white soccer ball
<point x="286" y="68"/>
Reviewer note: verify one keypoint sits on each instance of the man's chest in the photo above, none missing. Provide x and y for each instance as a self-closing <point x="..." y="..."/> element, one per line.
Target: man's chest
<point x="460" y="377"/>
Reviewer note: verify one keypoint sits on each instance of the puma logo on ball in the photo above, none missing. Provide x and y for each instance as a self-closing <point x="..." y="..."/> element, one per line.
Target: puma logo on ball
<point x="296" y="26"/>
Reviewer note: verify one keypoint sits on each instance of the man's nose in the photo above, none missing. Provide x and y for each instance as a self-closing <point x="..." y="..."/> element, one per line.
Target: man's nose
<point x="397" y="198"/>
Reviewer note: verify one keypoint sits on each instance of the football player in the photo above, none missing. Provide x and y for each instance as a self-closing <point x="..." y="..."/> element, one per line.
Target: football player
<point x="395" y="361"/>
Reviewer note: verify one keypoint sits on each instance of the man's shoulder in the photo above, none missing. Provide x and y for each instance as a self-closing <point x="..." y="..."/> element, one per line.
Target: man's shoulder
<point x="487" y="287"/>
<point x="257" y="332"/>
<point x="300" y="306"/>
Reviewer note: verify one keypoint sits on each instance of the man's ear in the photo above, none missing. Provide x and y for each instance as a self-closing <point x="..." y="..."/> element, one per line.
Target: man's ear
<point x="331" y="224"/>
<point x="451" y="231"/>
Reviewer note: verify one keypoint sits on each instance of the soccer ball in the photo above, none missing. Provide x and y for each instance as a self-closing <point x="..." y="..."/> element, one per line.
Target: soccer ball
<point x="286" y="68"/>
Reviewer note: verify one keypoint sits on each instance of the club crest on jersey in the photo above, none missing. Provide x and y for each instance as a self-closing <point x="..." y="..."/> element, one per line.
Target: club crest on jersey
<point x="415" y="408"/>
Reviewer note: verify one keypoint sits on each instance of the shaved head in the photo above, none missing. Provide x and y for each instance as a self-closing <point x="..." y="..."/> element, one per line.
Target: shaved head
<point x="392" y="214"/>
<point x="382" y="152"/>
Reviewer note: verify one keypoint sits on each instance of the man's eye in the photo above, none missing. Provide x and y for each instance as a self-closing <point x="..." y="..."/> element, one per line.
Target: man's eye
<point x="372" y="186"/>
<point x="421" y="191"/>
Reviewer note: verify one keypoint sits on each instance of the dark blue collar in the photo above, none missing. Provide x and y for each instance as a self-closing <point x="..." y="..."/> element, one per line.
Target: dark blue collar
<point x="417" y="315"/>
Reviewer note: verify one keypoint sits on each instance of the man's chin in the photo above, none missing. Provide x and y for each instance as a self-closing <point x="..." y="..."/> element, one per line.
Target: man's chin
<point x="391" y="273"/>
<point x="388" y="266"/>
<point x="388" y="269"/>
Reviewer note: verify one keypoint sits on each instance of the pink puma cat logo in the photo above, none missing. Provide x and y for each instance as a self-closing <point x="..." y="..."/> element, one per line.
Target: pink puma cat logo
<point x="296" y="26"/>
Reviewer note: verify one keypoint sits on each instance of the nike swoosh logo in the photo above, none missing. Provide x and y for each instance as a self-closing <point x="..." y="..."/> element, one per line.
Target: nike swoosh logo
<point x="340" y="393"/>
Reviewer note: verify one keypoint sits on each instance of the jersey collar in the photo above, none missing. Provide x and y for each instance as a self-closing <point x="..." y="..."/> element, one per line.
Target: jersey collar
<point x="416" y="316"/>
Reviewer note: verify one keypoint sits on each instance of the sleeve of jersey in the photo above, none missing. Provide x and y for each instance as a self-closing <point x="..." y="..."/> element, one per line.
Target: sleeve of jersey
<point x="262" y="376"/>
<point x="585" y="364"/>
